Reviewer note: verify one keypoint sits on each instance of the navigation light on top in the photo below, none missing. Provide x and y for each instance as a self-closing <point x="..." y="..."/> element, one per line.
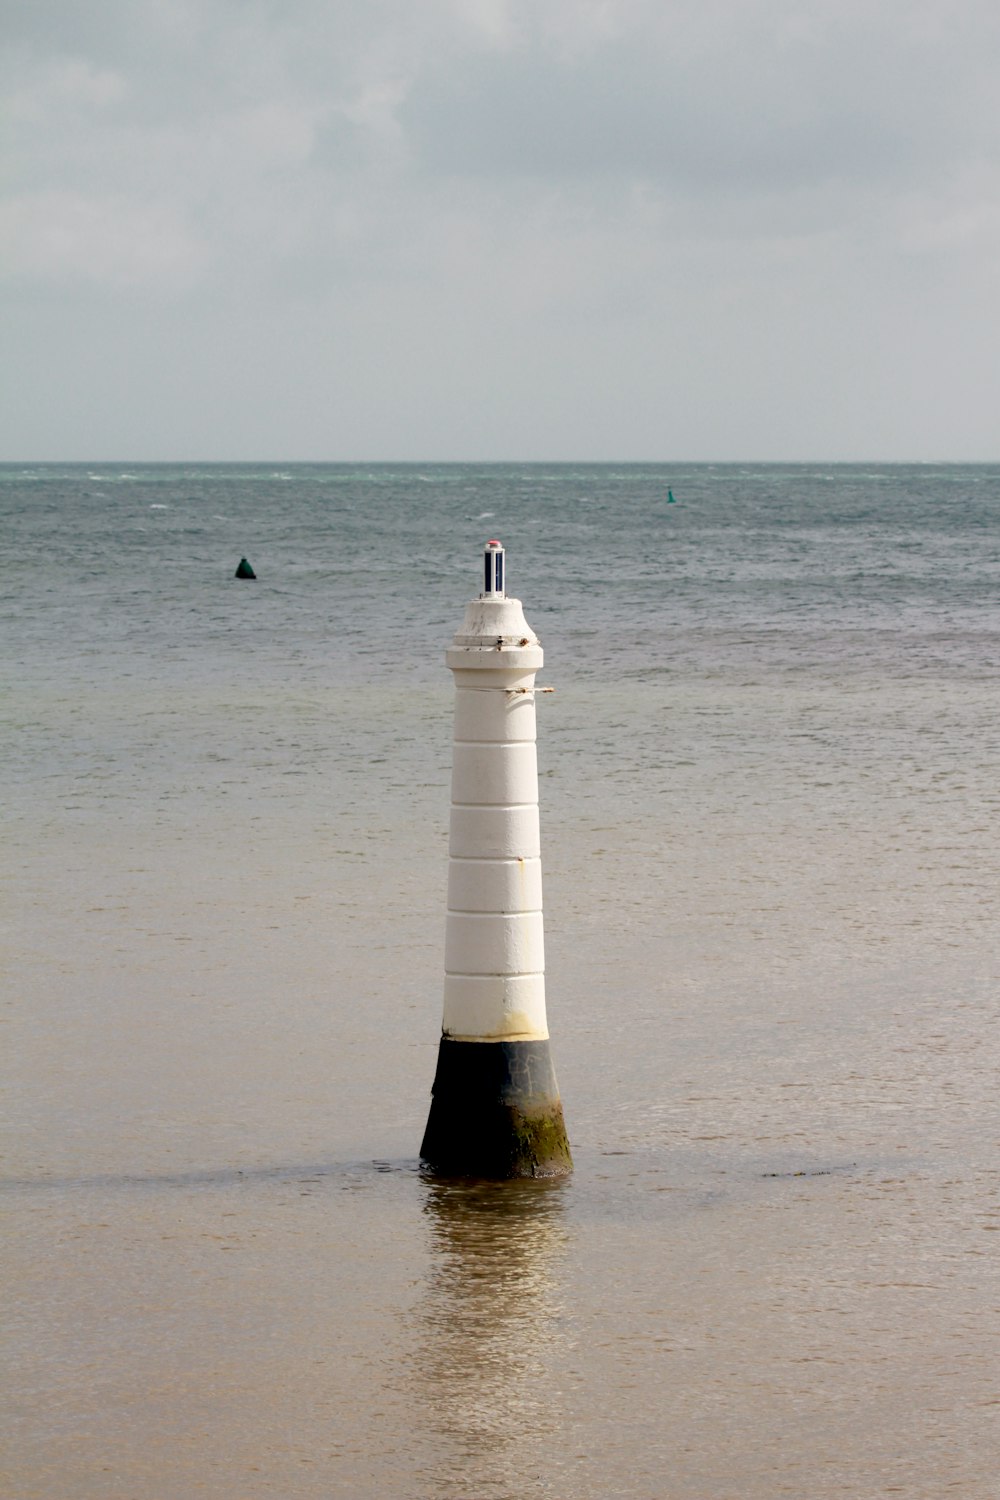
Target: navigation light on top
<point x="493" y="571"/>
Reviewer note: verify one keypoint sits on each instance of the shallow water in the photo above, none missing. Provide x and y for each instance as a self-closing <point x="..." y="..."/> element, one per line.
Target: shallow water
<point x="770" y="839"/>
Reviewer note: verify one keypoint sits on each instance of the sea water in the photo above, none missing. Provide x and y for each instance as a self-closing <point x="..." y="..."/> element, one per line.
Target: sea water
<point x="770" y="835"/>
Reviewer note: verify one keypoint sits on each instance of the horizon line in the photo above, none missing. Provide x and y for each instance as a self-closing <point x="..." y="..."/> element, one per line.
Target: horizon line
<point x="498" y="462"/>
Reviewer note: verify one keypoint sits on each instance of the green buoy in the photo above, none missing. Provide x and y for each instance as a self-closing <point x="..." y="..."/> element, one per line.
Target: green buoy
<point x="244" y="570"/>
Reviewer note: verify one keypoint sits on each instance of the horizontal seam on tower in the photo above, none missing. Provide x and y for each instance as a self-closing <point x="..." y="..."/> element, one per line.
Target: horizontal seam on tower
<point x="494" y="974"/>
<point x="465" y="911"/>
<point x="495" y="858"/>
<point x="493" y="1039"/>
<point x="504" y="805"/>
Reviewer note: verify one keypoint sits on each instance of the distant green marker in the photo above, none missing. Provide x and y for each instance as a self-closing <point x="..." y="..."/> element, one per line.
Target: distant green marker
<point x="670" y="498"/>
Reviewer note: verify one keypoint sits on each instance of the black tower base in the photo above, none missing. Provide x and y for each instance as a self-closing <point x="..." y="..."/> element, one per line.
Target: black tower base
<point x="495" y="1112"/>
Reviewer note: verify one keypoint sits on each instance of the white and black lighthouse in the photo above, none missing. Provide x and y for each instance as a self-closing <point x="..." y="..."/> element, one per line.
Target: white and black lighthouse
<point x="495" y="1108"/>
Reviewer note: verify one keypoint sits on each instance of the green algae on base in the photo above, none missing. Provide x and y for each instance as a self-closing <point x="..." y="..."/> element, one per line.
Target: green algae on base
<point x="540" y="1145"/>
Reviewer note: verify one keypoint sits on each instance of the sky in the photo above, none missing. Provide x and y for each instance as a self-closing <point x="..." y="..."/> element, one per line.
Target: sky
<point x="646" y="230"/>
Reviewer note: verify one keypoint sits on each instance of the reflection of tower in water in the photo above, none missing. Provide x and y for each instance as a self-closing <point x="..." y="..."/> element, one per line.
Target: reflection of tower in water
<point x="490" y="1323"/>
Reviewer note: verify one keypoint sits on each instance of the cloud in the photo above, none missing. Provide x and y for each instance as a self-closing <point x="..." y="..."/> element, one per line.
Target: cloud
<point x="560" y="181"/>
<point x="766" y="112"/>
<point x="723" y="99"/>
<point x="68" y="236"/>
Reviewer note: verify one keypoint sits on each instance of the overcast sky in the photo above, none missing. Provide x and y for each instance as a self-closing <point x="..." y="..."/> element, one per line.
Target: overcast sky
<point x="500" y="229"/>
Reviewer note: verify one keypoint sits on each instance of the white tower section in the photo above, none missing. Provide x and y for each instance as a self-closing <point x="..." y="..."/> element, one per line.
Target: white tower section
<point x="494" y="941"/>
